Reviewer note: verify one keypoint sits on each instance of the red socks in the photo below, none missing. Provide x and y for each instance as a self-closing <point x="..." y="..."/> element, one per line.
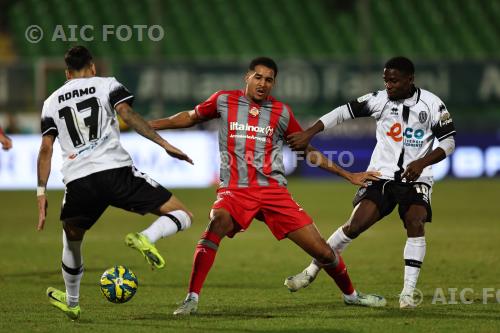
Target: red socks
<point x="204" y="257"/>
<point x="206" y="250"/>
<point x="339" y="274"/>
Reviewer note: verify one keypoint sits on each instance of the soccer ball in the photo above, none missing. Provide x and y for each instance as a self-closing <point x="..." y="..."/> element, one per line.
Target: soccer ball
<point x="118" y="284"/>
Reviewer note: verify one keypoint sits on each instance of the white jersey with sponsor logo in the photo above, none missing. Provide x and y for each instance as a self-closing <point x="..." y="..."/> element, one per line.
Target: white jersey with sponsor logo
<point x="81" y="115"/>
<point x="406" y="129"/>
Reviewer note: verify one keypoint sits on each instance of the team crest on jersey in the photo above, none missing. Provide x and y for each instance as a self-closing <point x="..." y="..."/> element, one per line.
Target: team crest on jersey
<point x="254" y="112"/>
<point x="422" y="117"/>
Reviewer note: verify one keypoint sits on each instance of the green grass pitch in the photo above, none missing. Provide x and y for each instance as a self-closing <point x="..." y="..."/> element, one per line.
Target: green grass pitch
<point x="244" y="291"/>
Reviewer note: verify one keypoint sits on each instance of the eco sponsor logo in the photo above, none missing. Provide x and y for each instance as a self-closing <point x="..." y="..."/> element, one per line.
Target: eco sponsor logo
<point x="412" y="137"/>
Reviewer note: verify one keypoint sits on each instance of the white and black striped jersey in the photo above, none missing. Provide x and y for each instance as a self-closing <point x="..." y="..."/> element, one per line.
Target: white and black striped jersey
<point x="81" y="114"/>
<point x="406" y="129"/>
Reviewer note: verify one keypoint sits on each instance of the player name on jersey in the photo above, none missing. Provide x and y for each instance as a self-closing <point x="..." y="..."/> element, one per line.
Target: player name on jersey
<point x="76" y="93"/>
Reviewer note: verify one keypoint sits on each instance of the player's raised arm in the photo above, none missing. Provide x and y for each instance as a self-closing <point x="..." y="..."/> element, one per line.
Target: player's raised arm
<point x="135" y="121"/>
<point x="365" y="106"/>
<point x="202" y="112"/>
<point x="182" y="119"/>
<point x="357" y="178"/>
<point x="43" y="172"/>
<point x="300" y="140"/>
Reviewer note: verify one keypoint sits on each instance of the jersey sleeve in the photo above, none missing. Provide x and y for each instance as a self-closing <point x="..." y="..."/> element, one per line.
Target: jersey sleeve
<point x="293" y="124"/>
<point x="118" y="93"/>
<point x="336" y="116"/>
<point x="442" y="123"/>
<point x="368" y="105"/>
<point x="208" y="109"/>
<point x="48" y="125"/>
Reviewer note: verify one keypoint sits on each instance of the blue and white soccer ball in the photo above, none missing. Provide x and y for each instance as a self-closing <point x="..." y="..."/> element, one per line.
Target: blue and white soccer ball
<point x="119" y="284"/>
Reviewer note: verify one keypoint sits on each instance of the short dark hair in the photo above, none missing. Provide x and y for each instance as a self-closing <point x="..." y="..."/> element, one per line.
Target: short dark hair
<point x="402" y="64"/>
<point x="77" y="58"/>
<point x="268" y="62"/>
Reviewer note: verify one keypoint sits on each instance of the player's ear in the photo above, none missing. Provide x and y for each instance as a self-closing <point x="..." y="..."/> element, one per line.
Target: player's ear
<point x="68" y="74"/>
<point x="411" y="78"/>
<point x="92" y="69"/>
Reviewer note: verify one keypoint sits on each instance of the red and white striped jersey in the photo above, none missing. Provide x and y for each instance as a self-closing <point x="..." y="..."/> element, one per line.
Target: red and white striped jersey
<point x="251" y="138"/>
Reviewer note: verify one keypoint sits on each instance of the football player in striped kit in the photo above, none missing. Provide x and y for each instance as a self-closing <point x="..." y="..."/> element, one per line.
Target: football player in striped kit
<point x="409" y="119"/>
<point x="98" y="172"/>
<point x="252" y="130"/>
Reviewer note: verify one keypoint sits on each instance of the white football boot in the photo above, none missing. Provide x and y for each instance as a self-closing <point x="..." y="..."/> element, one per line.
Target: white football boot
<point x="299" y="281"/>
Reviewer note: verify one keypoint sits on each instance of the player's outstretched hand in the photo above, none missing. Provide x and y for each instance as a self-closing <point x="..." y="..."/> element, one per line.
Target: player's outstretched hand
<point x="413" y="171"/>
<point x="177" y="153"/>
<point x="299" y="140"/>
<point x="360" y="178"/>
<point x="43" y="204"/>
<point x="6" y="142"/>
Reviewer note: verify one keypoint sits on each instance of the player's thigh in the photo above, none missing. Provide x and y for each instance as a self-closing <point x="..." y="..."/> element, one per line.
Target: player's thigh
<point x="281" y="213"/>
<point x="375" y="202"/>
<point x="173" y="203"/>
<point x="311" y="241"/>
<point x="222" y="223"/>
<point x="83" y="204"/>
<point x="416" y="213"/>
<point x="239" y="206"/>
<point x="364" y="215"/>
<point x="135" y="191"/>
<point x="415" y="204"/>
<point x="414" y="220"/>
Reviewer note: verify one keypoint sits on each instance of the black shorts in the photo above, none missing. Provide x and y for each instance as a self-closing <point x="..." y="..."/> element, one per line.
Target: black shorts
<point x="386" y="194"/>
<point x="87" y="198"/>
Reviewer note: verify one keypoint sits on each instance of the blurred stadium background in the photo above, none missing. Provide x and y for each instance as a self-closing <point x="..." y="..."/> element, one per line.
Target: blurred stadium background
<point x="328" y="51"/>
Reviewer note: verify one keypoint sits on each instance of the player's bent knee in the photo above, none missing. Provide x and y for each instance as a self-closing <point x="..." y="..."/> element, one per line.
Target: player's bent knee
<point x="352" y="230"/>
<point x="73" y="233"/>
<point x="415" y="227"/>
<point x="181" y="218"/>
<point x="220" y="222"/>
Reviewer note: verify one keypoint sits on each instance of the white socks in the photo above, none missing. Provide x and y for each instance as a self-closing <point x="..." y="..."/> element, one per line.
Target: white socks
<point x="192" y="295"/>
<point x="338" y="241"/>
<point x="72" y="269"/>
<point x="167" y="225"/>
<point x="414" y="254"/>
<point x="352" y="297"/>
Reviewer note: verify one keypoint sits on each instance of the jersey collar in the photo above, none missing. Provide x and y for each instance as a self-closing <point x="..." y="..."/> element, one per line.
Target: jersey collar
<point x="414" y="99"/>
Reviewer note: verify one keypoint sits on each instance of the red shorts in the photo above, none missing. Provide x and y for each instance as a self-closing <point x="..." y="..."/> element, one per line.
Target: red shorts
<point x="272" y="205"/>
